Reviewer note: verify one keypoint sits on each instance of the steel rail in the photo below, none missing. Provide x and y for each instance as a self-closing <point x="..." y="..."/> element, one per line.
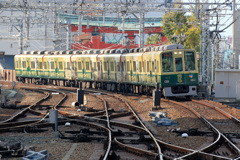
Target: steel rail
<point x="24" y="111"/>
<point x="27" y="124"/>
<point x="109" y="131"/>
<point x="215" y="130"/>
<point x="138" y="118"/>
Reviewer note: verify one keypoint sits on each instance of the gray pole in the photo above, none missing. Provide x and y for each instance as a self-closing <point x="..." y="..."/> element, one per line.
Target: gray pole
<point x="233" y="36"/>
<point x="21" y="39"/>
<point x="196" y="13"/>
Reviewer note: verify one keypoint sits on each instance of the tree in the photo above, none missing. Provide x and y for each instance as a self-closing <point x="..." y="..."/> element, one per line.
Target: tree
<point x="153" y="39"/>
<point x="179" y="28"/>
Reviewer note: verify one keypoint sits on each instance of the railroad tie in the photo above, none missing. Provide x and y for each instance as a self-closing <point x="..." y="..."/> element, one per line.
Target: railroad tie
<point x="71" y="150"/>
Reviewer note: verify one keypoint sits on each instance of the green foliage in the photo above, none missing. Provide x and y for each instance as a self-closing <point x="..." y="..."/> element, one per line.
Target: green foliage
<point x="179" y="28"/>
<point x="153" y="39"/>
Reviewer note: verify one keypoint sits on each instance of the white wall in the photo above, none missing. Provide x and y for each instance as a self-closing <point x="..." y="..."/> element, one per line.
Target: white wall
<point x="227" y="83"/>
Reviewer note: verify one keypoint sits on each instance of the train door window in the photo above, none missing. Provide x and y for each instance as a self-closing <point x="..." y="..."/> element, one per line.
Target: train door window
<point x="189" y="60"/>
<point x="60" y="65"/>
<point x="134" y="66"/>
<point x="39" y="66"/>
<point x="167" y="62"/>
<point x="94" y="66"/>
<point x="118" y="66"/>
<point x="79" y="65"/>
<point x="68" y="65"/>
<point x="99" y="66"/>
<point x="52" y="65"/>
<point x="128" y="66"/>
<point x="73" y="65"/>
<point x="148" y="66"/>
<point x="178" y="64"/>
<point x="144" y="66"/>
<point x="17" y="64"/>
<point x="140" y="66"/>
<point x="157" y="69"/>
<point x="45" y="65"/>
<point x="87" y="66"/>
<point x="28" y="64"/>
<point x="153" y="66"/>
<point x="111" y="66"/>
<point x="24" y="64"/>
<point x="105" y="66"/>
<point x="123" y="66"/>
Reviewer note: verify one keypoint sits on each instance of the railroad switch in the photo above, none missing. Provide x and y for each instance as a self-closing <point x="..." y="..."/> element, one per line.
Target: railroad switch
<point x="86" y="131"/>
<point x="192" y="132"/>
<point x="34" y="129"/>
<point x="83" y="135"/>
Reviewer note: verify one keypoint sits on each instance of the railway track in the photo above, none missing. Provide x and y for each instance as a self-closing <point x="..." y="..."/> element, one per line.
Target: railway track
<point x="16" y="122"/>
<point x="220" y="138"/>
<point x="108" y="120"/>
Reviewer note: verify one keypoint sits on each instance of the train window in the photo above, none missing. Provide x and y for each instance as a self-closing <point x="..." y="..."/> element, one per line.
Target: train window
<point x="189" y="61"/>
<point x="178" y="64"/>
<point x="111" y="66"/>
<point x="140" y="66"/>
<point x="68" y="65"/>
<point x="134" y="66"/>
<point x="167" y="62"/>
<point x="87" y="65"/>
<point x="24" y="64"/>
<point x="79" y="65"/>
<point x="123" y="66"/>
<point x="52" y="65"/>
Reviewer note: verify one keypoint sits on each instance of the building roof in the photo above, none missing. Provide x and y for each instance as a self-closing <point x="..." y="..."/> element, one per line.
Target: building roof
<point x="129" y="23"/>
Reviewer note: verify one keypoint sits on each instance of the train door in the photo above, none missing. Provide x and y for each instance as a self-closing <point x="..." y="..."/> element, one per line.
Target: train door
<point x="118" y="71"/>
<point x="94" y="70"/>
<point x="140" y="74"/>
<point x="134" y="71"/>
<point x="112" y="70"/>
<point x="79" y="69"/>
<point x="149" y="71"/>
<point x="179" y="69"/>
<point x="68" y="74"/>
<point x="60" y="70"/>
<point x="88" y="72"/>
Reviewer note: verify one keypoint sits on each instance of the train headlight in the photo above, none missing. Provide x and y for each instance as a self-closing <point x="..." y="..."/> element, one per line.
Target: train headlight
<point x="166" y="81"/>
<point x="192" y="80"/>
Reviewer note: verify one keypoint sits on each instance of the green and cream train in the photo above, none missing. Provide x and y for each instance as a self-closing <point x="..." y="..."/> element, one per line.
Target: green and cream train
<point x="174" y="68"/>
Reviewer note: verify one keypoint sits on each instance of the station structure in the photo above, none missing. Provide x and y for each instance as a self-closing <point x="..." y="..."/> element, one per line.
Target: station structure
<point x="108" y="32"/>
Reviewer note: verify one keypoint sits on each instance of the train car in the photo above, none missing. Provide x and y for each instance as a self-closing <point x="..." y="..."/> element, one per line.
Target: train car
<point x="172" y="67"/>
<point x="85" y="67"/>
<point x="28" y="66"/>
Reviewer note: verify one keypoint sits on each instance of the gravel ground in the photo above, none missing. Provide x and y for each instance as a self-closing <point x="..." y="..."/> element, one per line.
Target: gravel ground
<point x="58" y="148"/>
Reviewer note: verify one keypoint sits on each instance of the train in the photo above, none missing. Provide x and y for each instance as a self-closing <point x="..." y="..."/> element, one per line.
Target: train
<point x="171" y="68"/>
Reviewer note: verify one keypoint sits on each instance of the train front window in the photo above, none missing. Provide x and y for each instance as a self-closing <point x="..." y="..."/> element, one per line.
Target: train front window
<point x="189" y="61"/>
<point x="178" y="64"/>
<point x="167" y="62"/>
